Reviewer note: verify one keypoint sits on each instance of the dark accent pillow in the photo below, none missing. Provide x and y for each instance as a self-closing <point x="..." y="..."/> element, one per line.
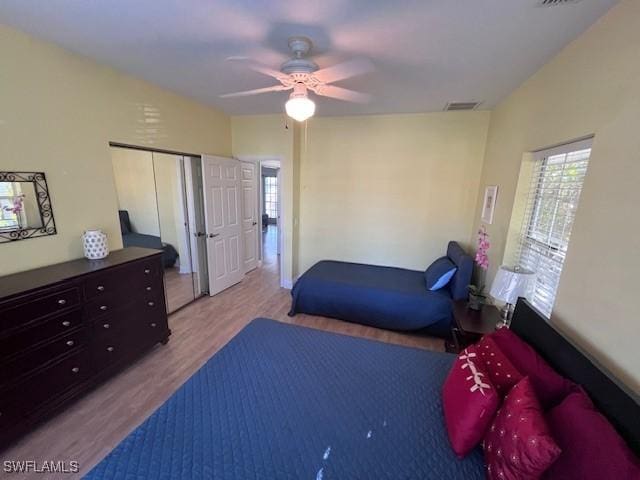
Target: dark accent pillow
<point x="439" y="273"/>
<point x="469" y="402"/>
<point x="550" y="386"/>
<point x="591" y="448"/>
<point x="502" y="373"/>
<point x="125" y="225"/>
<point x="519" y="444"/>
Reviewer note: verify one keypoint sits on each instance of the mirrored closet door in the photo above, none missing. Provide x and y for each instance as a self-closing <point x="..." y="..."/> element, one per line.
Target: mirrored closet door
<point x="159" y="200"/>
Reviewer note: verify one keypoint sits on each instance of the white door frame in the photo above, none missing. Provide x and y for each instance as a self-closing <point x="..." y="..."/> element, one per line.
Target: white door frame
<point x="265" y="159"/>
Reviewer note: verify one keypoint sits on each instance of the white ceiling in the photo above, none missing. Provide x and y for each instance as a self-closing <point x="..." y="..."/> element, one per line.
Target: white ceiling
<point x="427" y="52"/>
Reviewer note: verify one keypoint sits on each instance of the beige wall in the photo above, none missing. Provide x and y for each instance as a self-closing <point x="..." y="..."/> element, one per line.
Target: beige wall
<point x="591" y="87"/>
<point x="271" y="136"/>
<point x="389" y="189"/>
<point x="58" y="113"/>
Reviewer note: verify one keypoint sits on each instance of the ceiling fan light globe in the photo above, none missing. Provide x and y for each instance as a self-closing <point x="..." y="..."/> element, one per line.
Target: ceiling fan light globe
<point x="300" y="108"/>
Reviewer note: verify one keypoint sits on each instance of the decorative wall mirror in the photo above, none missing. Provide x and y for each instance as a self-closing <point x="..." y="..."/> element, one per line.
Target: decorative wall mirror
<point x="25" y="206"/>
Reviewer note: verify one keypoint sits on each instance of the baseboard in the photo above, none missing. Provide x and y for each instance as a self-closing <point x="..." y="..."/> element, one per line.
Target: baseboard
<point x="288" y="284"/>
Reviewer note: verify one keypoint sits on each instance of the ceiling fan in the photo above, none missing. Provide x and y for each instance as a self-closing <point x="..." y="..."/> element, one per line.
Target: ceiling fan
<point x="302" y="74"/>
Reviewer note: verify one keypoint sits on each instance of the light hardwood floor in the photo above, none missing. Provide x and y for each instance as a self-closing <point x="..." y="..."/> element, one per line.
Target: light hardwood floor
<point x="92" y="427"/>
<point x="179" y="287"/>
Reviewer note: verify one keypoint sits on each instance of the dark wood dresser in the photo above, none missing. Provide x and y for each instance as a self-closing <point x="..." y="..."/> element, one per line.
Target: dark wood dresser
<point x="67" y="327"/>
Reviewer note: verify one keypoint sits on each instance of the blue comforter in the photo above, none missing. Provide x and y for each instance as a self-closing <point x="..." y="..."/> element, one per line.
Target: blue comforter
<point x="288" y="402"/>
<point x="385" y="297"/>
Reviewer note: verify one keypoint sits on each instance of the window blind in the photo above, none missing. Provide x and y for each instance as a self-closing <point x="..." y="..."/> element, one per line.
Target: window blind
<point x="554" y="192"/>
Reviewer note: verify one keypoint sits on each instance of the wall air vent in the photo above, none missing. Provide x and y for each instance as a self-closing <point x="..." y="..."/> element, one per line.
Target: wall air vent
<point x="555" y="3"/>
<point x="455" y="106"/>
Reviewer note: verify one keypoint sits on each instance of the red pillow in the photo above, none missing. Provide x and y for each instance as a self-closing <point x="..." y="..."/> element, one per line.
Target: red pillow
<point x="591" y="448"/>
<point x="518" y="445"/>
<point x="469" y="401"/>
<point x="502" y="373"/>
<point x="550" y="386"/>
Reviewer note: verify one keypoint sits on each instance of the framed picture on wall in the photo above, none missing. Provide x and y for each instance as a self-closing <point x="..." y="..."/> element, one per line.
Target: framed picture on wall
<point x="489" y="204"/>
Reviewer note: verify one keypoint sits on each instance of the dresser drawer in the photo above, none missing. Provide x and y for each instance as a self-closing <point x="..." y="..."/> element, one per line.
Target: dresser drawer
<point x="10" y="413"/>
<point x="39" y="332"/>
<point x="46" y="353"/>
<point x="34" y="307"/>
<point x="122" y="279"/>
<point x="110" y="347"/>
<point x="34" y="392"/>
<point x="108" y="304"/>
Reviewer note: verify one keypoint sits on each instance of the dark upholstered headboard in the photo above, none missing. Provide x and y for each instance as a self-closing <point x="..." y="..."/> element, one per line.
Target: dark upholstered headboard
<point x="459" y="285"/>
<point x="620" y="407"/>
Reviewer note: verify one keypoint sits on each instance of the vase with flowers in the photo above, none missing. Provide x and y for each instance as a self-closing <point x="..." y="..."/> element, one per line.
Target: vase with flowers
<point x="16" y="209"/>
<point x="477" y="297"/>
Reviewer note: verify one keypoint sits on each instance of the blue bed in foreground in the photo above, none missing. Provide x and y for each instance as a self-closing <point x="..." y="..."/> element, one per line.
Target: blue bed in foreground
<point x="383" y="297"/>
<point x="288" y="402"/>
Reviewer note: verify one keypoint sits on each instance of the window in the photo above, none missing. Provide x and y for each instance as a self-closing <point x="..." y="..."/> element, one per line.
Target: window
<point x="271" y="196"/>
<point x="552" y="201"/>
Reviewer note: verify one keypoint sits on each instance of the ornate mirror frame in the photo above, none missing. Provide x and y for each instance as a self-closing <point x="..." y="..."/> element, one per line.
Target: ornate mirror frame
<point x="48" y="224"/>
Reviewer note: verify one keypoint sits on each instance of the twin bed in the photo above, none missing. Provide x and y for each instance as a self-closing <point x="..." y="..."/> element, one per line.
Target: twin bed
<point x="289" y="402"/>
<point x="383" y="297"/>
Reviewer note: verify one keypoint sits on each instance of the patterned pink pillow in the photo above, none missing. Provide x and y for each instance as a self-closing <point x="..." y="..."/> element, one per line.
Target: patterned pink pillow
<point x="550" y="386"/>
<point x="469" y="401"/>
<point x="502" y="373"/>
<point x="591" y="448"/>
<point x="518" y="445"/>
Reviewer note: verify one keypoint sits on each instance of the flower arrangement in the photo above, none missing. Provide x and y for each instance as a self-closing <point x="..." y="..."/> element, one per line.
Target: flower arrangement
<point x="17" y="207"/>
<point x="482" y="257"/>
<point x="477" y="298"/>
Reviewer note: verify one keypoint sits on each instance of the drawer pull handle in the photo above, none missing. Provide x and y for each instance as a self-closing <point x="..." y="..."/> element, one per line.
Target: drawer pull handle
<point x="110" y="349"/>
<point x="148" y="289"/>
<point x="103" y="307"/>
<point x="147" y="271"/>
<point x="100" y="288"/>
<point x="66" y="323"/>
<point x="151" y="304"/>
<point x="71" y="343"/>
<point x="153" y="325"/>
<point x="75" y="369"/>
<point x="62" y="301"/>
<point x="106" y="325"/>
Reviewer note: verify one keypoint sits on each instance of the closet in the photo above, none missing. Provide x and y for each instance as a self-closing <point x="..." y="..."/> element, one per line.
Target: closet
<point x="160" y="205"/>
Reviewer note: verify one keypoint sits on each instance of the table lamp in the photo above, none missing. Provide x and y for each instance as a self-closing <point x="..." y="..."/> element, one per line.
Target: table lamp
<point x="509" y="284"/>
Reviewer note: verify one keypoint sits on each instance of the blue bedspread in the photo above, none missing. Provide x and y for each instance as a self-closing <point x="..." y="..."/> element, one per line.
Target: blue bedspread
<point x="288" y="402"/>
<point x="384" y="297"/>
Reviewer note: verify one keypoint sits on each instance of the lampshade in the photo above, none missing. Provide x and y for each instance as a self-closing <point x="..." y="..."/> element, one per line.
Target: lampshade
<point x="511" y="283"/>
<point x="300" y="107"/>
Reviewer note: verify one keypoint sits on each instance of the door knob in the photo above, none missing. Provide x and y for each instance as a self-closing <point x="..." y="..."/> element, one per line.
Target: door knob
<point x="254" y="223"/>
<point x="213" y="235"/>
<point x="199" y="234"/>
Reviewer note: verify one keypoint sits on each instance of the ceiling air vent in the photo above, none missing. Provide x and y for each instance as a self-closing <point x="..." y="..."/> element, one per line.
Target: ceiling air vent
<point x="555" y="3"/>
<point x="454" y="106"/>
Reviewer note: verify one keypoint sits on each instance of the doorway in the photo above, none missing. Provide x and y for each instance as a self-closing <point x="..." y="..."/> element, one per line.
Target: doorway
<point x="160" y="206"/>
<point x="270" y="202"/>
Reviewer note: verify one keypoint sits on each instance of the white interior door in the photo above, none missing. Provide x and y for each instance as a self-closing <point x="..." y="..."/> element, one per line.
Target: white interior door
<point x="223" y="217"/>
<point x="249" y="176"/>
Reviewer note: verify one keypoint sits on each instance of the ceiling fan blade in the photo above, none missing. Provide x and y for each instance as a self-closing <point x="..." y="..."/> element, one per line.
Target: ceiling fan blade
<point x="259" y="67"/>
<point x="275" y="88"/>
<point x="342" y="94"/>
<point x="341" y="71"/>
